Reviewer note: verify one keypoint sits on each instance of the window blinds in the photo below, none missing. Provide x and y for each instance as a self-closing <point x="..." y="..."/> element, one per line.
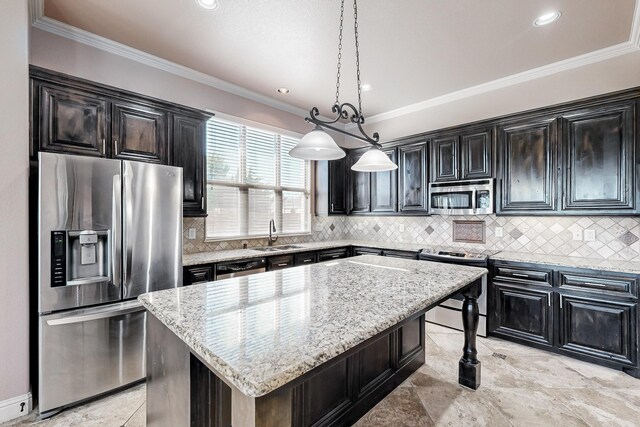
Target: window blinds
<point x="251" y="179"/>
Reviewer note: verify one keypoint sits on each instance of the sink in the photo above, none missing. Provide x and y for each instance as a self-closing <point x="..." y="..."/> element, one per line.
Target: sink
<point x="277" y="248"/>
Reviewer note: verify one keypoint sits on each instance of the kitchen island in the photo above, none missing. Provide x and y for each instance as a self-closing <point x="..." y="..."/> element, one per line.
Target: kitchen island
<point x="313" y="345"/>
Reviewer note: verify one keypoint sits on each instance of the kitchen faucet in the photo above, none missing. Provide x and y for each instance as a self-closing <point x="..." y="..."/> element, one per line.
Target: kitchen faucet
<point x="272" y="228"/>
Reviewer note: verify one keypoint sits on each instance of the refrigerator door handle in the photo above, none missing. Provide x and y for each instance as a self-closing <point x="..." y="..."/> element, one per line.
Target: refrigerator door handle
<point x="116" y="240"/>
<point x="100" y="313"/>
<point x="127" y="220"/>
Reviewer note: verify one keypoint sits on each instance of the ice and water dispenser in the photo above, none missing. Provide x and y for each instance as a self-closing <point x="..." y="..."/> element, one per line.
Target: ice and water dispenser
<point x="80" y="257"/>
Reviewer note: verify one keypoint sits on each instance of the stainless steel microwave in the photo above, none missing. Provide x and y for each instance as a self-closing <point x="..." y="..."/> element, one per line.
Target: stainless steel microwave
<point x="461" y="197"/>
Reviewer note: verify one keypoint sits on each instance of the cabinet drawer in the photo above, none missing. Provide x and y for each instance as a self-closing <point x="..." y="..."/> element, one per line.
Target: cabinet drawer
<point x="333" y="254"/>
<point x="524" y="275"/>
<point x="304" y="258"/>
<point x="366" y="251"/>
<point x="610" y="284"/>
<point x="198" y="274"/>
<point x="401" y="254"/>
<point x="280" y="262"/>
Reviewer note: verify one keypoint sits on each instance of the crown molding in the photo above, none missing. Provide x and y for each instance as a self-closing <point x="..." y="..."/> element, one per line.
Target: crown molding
<point x="38" y="20"/>
<point x="525" y="76"/>
<point x="634" y="34"/>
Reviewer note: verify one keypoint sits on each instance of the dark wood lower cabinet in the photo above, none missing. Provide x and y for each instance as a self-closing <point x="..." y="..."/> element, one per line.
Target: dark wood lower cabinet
<point x="523" y="313"/>
<point x="605" y="330"/>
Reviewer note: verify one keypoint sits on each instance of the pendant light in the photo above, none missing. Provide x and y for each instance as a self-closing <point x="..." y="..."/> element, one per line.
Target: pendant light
<point x="317" y="144"/>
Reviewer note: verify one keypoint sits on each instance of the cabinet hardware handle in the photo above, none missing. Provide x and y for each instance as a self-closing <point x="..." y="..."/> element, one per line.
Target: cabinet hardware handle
<point x="115" y="142"/>
<point x="549" y="299"/>
<point x="601" y="285"/>
<point x="335" y="256"/>
<point x="283" y="264"/>
<point x="331" y="207"/>
<point x="307" y="260"/>
<point x="560" y="301"/>
<point x="526" y="276"/>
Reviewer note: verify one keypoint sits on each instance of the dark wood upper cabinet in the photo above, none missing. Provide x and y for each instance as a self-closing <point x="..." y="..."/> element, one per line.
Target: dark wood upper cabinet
<point x="138" y="132"/>
<point x="599" y="145"/>
<point x="528" y="161"/>
<point x="360" y="185"/>
<point x="384" y="187"/>
<point x="412" y="177"/>
<point x="69" y="120"/>
<point x="338" y="185"/>
<point x="476" y="148"/>
<point x="445" y="161"/>
<point x="188" y="151"/>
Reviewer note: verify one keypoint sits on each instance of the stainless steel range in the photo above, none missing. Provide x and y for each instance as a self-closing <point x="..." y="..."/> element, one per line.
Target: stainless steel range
<point x="449" y="313"/>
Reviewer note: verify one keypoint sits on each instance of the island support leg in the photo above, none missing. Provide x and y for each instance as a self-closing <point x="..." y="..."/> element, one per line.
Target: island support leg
<point x="469" y="365"/>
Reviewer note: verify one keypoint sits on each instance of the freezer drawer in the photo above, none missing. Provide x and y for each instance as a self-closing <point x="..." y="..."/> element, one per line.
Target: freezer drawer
<point x="87" y="352"/>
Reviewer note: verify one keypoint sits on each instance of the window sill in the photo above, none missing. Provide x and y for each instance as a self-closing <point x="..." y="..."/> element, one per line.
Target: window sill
<point x="231" y="238"/>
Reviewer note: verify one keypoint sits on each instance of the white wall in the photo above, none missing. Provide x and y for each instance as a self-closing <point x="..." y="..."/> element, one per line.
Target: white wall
<point x="14" y="173"/>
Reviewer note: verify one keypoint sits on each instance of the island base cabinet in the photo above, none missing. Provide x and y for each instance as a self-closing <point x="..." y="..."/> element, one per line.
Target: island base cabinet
<point x="603" y="330"/>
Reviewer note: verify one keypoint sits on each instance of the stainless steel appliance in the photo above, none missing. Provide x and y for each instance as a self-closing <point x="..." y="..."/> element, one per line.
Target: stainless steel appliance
<point x="109" y="230"/>
<point x="227" y="270"/>
<point x="461" y="197"/>
<point x="449" y="313"/>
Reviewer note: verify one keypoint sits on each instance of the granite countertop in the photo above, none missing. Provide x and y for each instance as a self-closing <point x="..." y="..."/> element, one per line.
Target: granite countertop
<point x="632" y="267"/>
<point x="259" y="332"/>
<point x="239" y="254"/>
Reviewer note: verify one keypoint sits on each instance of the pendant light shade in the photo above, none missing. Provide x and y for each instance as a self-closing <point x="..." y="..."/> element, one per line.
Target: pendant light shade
<point x="374" y="160"/>
<point x="317" y="145"/>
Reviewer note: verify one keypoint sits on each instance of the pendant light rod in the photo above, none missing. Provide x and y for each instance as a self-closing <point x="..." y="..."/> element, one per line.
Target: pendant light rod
<point x="342" y="113"/>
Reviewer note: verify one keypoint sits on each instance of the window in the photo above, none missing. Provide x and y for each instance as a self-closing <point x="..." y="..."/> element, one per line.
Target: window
<point x="251" y="179"/>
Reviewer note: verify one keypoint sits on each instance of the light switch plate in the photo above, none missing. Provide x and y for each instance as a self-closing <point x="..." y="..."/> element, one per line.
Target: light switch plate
<point x="499" y="232"/>
<point x="589" y="235"/>
<point x="192" y="233"/>
<point x="577" y="234"/>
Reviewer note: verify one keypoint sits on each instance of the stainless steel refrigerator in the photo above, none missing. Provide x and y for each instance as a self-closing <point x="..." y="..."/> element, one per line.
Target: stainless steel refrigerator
<point x="109" y="230"/>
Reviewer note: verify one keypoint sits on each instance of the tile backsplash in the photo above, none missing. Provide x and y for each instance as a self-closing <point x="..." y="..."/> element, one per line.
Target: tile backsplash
<point x="615" y="237"/>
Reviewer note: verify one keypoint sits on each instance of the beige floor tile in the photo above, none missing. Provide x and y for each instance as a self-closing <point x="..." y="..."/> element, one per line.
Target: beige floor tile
<point x="511" y="349"/>
<point x="401" y="408"/>
<point x="431" y="348"/>
<point x="602" y="407"/>
<point x="432" y="328"/>
<point x="527" y="407"/>
<point x="139" y="419"/>
<point x="453" y="343"/>
<point x="452" y="405"/>
<point x="601" y="376"/>
<point x="548" y="372"/>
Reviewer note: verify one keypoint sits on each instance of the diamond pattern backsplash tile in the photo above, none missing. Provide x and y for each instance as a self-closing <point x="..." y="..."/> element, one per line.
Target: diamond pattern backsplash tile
<point x="616" y="237"/>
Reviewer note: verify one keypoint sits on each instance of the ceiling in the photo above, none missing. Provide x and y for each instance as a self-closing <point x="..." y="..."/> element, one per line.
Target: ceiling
<point x="411" y="50"/>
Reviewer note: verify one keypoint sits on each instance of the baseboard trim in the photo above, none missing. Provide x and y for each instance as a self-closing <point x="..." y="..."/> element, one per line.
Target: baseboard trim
<point x="15" y="407"/>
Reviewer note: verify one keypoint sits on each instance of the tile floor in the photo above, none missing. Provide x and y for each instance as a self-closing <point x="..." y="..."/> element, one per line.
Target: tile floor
<point x="528" y="387"/>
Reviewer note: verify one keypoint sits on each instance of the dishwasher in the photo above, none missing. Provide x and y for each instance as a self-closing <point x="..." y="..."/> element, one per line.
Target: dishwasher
<point x="227" y="270"/>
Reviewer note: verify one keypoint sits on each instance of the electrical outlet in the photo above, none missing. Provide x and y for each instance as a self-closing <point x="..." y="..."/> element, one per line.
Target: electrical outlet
<point x="589" y="235"/>
<point x="192" y="233"/>
<point x="499" y="232"/>
<point x="577" y="234"/>
<point x="402" y="228"/>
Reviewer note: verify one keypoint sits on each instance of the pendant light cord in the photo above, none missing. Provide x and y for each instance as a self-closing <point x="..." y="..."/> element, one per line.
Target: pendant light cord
<point x="355" y="28"/>
<point x="339" y="53"/>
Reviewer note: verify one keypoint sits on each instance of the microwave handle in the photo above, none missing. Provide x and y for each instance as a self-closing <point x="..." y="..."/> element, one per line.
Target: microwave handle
<point x="474" y="201"/>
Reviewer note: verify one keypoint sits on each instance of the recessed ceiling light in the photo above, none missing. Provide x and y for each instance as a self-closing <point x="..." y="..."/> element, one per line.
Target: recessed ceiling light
<point x="367" y="87"/>
<point x="283" y="90"/>
<point x="208" y="4"/>
<point x="547" y="18"/>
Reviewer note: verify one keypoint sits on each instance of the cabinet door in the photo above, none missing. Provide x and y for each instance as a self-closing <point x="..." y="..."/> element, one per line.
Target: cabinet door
<point x="477" y="154"/>
<point x="523" y="313"/>
<point x="601" y="329"/>
<point x="384" y="193"/>
<point x="360" y="186"/>
<point x="138" y="133"/>
<point x="599" y="148"/>
<point x="445" y="159"/>
<point x="337" y="187"/>
<point x="528" y="159"/>
<point x="71" y="121"/>
<point x="188" y="150"/>
<point x="412" y="190"/>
